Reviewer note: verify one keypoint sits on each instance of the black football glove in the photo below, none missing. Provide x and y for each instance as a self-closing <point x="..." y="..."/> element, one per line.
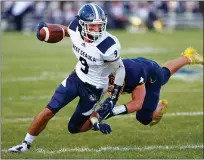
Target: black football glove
<point x="109" y="103"/>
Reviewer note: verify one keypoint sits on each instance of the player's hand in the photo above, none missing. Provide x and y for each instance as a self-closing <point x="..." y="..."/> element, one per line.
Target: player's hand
<point x="110" y="102"/>
<point x="39" y="27"/>
<point x="105" y="111"/>
<point x="103" y="127"/>
<point x="107" y="106"/>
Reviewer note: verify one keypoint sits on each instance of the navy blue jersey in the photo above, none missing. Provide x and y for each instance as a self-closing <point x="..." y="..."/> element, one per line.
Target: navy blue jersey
<point x="139" y="71"/>
<point x="145" y="71"/>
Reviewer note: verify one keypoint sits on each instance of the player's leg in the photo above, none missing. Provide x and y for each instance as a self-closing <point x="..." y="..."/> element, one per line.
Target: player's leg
<point x="62" y="96"/>
<point x="88" y="124"/>
<point x="64" y="93"/>
<point x="145" y="115"/>
<point x="150" y="104"/>
<point x="84" y="110"/>
<point x="89" y="98"/>
<point x="79" y="121"/>
<point x="189" y="56"/>
<point x="39" y="123"/>
<point x="175" y="64"/>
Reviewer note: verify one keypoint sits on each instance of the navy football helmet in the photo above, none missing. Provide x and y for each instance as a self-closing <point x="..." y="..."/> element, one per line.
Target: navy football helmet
<point x="90" y="14"/>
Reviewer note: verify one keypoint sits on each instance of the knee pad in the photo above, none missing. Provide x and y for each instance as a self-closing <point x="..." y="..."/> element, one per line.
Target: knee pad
<point x="143" y="120"/>
<point x="72" y="128"/>
<point x="77" y="121"/>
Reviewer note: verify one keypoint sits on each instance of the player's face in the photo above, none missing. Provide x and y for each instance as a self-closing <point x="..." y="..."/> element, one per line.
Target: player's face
<point x="94" y="27"/>
<point x="93" y="31"/>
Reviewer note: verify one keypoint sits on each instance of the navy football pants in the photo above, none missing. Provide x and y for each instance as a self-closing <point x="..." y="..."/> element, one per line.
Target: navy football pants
<point x="68" y="90"/>
<point x="152" y="95"/>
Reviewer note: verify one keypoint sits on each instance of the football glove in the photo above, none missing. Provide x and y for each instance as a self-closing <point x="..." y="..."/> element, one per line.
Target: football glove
<point x="39" y="27"/>
<point x="104" y="113"/>
<point x="107" y="106"/>
<point x="103" y="127"/>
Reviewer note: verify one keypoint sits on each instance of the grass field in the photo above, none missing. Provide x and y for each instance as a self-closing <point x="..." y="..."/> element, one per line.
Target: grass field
<point x="31" y="70"/>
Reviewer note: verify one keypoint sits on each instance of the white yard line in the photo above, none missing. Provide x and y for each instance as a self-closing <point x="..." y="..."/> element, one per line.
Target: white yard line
<point x="167" y="114"/>
<point x="45" y="75"/>
<point x="7" y="120"/>
<point x="27" y="98"/>
<point x="113" y="148"/>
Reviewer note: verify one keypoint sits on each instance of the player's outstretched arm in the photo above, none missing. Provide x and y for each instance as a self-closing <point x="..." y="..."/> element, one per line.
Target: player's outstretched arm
<point x="138" y="96"/>
<point x="51" y="33"/>
<point x="109" y="103"/>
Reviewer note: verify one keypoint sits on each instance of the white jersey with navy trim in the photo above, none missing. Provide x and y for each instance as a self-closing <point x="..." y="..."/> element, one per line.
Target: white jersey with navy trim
<point x="92" y="67"/>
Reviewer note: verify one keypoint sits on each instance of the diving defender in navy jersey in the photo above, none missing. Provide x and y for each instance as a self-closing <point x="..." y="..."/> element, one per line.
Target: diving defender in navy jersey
<point x="144" y="80"/>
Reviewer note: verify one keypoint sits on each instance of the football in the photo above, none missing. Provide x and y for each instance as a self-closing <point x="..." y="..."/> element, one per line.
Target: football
<point x="53" y="33"/>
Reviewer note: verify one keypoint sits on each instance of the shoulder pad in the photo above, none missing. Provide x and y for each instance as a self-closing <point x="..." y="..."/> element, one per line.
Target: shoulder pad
<point x="106" y="44"/>
<point x="73" y="25"/>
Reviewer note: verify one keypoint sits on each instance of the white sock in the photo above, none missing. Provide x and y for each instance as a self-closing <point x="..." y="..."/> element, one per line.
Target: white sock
<point x="122" y="109"/>
<point x="29" y="138"/>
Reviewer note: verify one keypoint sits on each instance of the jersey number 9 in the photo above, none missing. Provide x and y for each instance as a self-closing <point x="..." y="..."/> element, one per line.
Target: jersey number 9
<point x="85" y="67"/>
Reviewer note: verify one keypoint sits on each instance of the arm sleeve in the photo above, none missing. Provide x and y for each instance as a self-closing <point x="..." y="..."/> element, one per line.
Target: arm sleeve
<point x="119" y="71"/>
<point x="112" y="56"/>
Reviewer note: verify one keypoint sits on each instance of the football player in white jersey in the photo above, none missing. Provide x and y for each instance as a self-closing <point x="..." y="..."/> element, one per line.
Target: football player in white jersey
<point x="98" y="53"/>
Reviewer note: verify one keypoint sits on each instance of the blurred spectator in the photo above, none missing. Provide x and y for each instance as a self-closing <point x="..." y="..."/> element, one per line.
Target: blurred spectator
<point x="192" y="6"/>
<point x="142" y="10"/>
<point x="19" y="10"/>
<point x="117" y="15"/>
<point x="146" y="15"/>
<point x="55" y="12"/>
<point x="152" y="15"/>
<point x="161" y="6"/>
<point x="173" y="6"/>
<point x="40" y="9"/>
<point x="6" y="8"/>
<point x="68" y="12"/>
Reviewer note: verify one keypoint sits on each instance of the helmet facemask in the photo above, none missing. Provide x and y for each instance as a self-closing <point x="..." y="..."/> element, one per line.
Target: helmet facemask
<point x="89" y="34"/>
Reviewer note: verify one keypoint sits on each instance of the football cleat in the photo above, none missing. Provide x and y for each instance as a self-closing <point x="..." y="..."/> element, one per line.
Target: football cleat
<point x="24" y="147"/>
<point x="160" y="112"/>
<point x="193" y="56"/>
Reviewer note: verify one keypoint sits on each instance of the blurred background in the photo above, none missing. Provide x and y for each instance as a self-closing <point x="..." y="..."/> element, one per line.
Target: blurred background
<point x="133" y="16"/>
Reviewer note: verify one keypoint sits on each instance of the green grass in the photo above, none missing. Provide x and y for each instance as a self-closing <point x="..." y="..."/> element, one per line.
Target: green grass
<point x="31" y="70"/>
